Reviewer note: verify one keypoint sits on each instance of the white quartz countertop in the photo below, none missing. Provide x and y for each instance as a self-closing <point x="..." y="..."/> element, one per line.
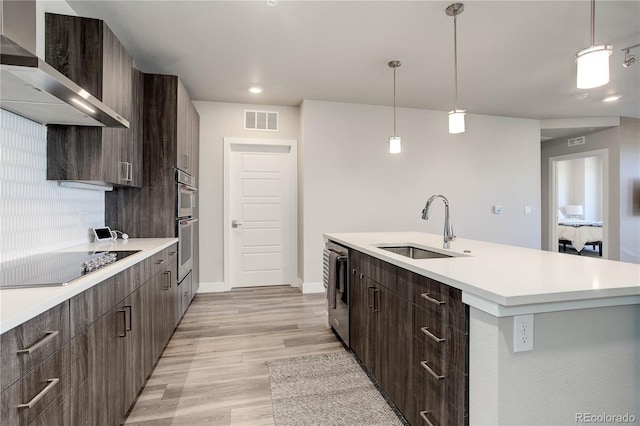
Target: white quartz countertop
<point x="20" y="305"/>
<point x="507" y="280"/>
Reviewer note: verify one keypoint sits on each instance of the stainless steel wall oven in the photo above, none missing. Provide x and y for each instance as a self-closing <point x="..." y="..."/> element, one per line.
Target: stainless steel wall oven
<point x="185" y="208"/>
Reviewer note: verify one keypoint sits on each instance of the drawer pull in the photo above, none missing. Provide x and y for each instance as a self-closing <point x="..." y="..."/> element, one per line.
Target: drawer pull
<point x="124" y="329"/>
<point x="161" y="261"/>
<point x="41" y="394"/>
<point x="173" y="253"/>
<point x="430" y="371"/>
<point x="431" y="299"/>
<point x="48" y="336"/>
<point x="426" y="331"/>
<point x="423" y="414"/>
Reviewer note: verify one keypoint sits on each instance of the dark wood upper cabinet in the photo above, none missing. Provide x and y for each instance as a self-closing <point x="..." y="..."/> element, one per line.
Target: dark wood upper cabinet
<point x="86" y="51"/>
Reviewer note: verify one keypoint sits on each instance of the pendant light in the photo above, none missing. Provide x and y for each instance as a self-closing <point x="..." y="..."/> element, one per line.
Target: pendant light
<point x="456" y="116"/>
<point x="395" y="142"/>
<point x="593" y="62"/>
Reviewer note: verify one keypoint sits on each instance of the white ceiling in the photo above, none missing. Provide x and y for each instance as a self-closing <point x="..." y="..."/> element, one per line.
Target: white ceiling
<point x="515" y="57"/>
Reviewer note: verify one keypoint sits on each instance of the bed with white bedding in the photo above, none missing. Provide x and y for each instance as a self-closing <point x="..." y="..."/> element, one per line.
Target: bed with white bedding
<point x="580" y="233"/>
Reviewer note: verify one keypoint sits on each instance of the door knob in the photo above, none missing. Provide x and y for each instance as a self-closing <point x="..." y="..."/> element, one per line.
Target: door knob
<point x="235" y="224"/>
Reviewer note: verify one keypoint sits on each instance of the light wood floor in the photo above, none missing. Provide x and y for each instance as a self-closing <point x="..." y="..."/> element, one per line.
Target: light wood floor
<point x="212" y="372"/>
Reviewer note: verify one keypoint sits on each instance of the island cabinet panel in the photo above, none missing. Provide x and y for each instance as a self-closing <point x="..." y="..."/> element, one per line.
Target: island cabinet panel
<point x="411" y="333"/>
<point x="86" y="51"/>
<point x="381" y="328"/>
<point x="29" y="344"/>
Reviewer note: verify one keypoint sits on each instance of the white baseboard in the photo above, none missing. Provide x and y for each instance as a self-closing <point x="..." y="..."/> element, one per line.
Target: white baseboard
<point x="212" y="287"/>
<point x="215" y="287"/>
<point x="312" y="287"/>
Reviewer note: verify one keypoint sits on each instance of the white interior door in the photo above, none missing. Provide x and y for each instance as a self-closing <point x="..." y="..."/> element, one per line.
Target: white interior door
<point x="259" y="210"/>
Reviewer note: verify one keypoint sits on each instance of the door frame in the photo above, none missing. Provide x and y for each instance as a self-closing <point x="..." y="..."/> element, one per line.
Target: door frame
<point x="290" y="259"/>
<point x="603" y="154"/>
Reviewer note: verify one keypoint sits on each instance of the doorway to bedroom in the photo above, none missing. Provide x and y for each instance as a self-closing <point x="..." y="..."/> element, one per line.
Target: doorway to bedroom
<point x="579" y="202"/>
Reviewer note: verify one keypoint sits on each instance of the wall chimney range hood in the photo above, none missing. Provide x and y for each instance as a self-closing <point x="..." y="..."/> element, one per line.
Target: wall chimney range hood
<point x="34" y="89"/>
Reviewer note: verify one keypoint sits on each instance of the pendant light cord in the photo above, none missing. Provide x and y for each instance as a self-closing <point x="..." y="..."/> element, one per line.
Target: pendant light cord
<point x="394" y="102"/>
<point x="455" y="59"/>
<point x="593" y="22"/>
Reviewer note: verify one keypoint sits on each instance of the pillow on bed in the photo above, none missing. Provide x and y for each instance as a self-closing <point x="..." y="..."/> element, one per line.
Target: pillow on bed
<point x="560" y="215"/>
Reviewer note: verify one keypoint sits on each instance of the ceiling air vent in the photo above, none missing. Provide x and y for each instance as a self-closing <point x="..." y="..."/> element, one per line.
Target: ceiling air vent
<point x="576" y="141"/>
<point x="266" y="121"/>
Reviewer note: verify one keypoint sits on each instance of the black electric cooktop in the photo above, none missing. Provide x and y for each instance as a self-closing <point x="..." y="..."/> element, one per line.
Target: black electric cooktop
<point x="56" y="268"/>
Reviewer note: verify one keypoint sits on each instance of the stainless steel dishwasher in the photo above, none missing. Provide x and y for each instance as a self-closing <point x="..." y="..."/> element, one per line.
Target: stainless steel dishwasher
<point x="335" y="274"/>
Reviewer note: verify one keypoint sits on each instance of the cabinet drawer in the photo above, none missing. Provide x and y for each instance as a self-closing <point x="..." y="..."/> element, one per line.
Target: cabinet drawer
<point x="91" y="304"/>
<point x="43" y="389"/>
<point x="431" y="408"/>
<point x="440" y="300"/>
<point x="449" y="381"/>
<point x="127" y="281"/>
<point x="381" y="272"/>
<point x="442" y="340"/>
<point x="162" y="259"/>
<point x="28" y="344"/>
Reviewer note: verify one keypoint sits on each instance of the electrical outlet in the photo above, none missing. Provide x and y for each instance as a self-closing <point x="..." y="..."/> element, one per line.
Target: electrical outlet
<point x="497" y="209"/>
<point x="523" y="333"/>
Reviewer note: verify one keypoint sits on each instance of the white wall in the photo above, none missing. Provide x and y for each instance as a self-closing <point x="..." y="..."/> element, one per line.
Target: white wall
<point x="352" y="183"/>
<point x="630" y="190"/>
<point x="583" y="361"/>
<point x="36" y="215"/>
<point x="217" y="121"/>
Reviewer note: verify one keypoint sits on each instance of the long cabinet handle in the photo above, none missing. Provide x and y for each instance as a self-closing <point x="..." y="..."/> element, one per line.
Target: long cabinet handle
<point x="430" y="371"/>
<point x="426" y="331"/>
<point x="370" y="296"/>
<point x="423" y="414"/>
<point x="168" y="275"/>
<point x="129" y="308"/>
<point x="48" y="336"/>
<point x="41" y="394"/>
<point x="431" y="299"/>
<point x="376" y="292"/>
<point x="124" y="331"/>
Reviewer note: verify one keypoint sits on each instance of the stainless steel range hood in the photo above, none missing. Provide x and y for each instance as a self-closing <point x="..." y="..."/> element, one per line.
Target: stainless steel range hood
<point x="34" y="89"/>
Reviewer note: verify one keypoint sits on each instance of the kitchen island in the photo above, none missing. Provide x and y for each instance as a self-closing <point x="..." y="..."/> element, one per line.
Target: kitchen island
<point x="585" y="359"/>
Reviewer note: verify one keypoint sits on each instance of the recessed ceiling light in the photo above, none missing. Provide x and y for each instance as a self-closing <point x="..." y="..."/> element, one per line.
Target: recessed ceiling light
<point x="271" y="3"/>
<point x="255" y="89"/>
<point x="612" y="98"/>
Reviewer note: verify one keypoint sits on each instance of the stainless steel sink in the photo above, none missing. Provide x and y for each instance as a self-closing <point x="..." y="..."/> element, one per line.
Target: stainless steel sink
<point x="416" y="252"/>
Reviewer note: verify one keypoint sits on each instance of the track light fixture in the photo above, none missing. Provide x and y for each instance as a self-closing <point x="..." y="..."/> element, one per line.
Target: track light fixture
<point x="629" y="59"/>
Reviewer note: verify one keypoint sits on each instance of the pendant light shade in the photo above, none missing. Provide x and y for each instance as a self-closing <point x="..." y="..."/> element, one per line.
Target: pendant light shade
<point x="592" y="63"/>
<point x="395" y="145"/>
<point x="456" y="116"/>
<point x="593" y="66"/>
<point x="456" y="121"/>
<point x="395" y="142"/>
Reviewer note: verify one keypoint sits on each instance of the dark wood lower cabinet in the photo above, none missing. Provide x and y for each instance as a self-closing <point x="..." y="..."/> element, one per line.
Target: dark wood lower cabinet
<point x="417" y="352"/>
<point x="114" y="355"/>
<point x="45" y="391"/>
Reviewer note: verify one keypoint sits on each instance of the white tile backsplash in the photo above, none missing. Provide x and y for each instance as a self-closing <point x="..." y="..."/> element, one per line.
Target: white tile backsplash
<point x="37" y="215"/>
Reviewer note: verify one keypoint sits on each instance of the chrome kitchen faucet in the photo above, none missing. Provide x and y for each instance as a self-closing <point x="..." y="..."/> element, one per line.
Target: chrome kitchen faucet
<point x="448" y="229"/>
